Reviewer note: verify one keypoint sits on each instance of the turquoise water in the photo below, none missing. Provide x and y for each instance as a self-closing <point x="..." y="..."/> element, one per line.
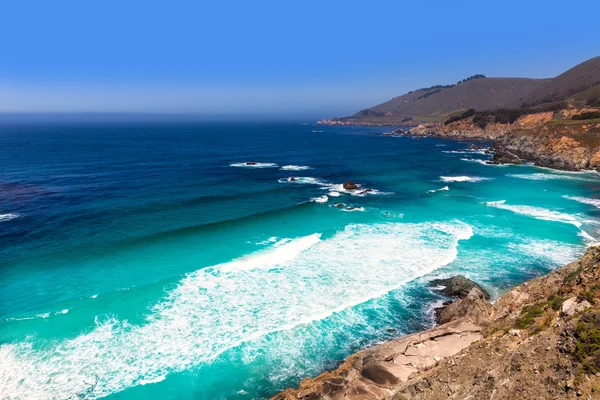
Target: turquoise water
<point x="148" y="261"/>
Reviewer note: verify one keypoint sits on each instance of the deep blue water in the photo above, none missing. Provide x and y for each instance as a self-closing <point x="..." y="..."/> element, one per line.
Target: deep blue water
<point x="149" y="257"/>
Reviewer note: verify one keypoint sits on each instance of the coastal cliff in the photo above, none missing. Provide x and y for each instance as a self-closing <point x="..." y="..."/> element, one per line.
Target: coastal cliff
<point x="541" y="340"/>
<point x="547" y="139"/>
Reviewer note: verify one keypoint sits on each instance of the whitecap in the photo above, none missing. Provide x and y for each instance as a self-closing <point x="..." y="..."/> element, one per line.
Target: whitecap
<point x="545" y="215"/>
<point x="463" y="179"/>
<point x="252" y="164"/>
<point x="538" y="176"/>
<point x="219" y="308"/>
<point x="302" y="179"/>
<point x="536" y="212"/>
<point x="294" y="168"/>
<point x="321" y="199"/>
<point x="334" y="194"/>
<point x="8" y="217"/>
<point x="353" y="209"/>
<point x="270" y="240"/>
<point x="584" y="200"/>
<point x="157" y="379"/>
<point x="438" y="190"/>
<point x="476" y="160"/>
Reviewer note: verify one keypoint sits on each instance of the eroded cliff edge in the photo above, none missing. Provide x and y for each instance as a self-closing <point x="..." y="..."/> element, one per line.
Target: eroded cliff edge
<point x="541" y="340"/>
<point x="547" y="139"/>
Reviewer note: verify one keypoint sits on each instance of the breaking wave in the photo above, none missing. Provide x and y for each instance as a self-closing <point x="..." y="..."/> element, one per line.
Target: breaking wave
<point x="463" y="179"/>
<point x="252" y="164"/>
<point x="221" y="307"/>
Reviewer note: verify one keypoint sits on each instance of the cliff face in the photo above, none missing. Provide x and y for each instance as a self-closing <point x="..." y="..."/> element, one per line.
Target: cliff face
<point x="541" y="340"/>
<point x="547" y="139"/>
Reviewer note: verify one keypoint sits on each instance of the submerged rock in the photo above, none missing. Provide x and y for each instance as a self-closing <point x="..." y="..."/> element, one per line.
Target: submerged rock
<point x="251" y="163"/>
<point x="349" y="185"/>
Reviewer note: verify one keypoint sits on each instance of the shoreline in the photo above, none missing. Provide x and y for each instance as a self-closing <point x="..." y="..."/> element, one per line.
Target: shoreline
<point x="560" y="144"/>
<point x="473" y="353"/>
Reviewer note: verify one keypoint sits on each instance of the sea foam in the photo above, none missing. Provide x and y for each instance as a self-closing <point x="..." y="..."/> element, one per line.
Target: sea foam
<point x="545" y="215"/>
<point x="584" y="200"/>
<point x="249" y="164"/>
<point x="463" y="179"/>
<point x="294" y="168"/>
<point x="8" y="217"/>
<point x="219" y="308"/>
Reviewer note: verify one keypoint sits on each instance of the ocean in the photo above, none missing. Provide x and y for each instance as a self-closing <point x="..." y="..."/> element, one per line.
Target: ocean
<point x="147" y="260"/>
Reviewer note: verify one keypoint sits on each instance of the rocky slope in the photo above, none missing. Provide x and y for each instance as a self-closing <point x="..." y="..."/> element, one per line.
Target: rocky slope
<point x="548" y="139"/>
<point x="580" y="85"/>
<point x="541" y="340"/>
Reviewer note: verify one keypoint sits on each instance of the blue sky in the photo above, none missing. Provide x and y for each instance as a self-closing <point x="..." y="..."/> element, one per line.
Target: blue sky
<point x="304" y="58"/>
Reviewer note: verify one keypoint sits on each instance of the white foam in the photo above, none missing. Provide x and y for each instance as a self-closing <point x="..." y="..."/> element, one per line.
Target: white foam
<point x="482" y="151"/>
<point x="295" y="168"/>
<point x="546" y="215"/>
<point x="584" y="200"/>
<point x="302" y="179"/>
<point x="554" y="252"/>
<point x="154" y="380"/>
<point x="438" y="190"/>
<point x="360" y="192"/>
<point x="321" y="199"/>
<point x="93" y="296"/>
<point x="463" y="179"/>
<point x="538" y="176"/>
<point x="8" y="217"/>
<point x="270" y="240"/>
<point x="251" y="164"/>
<point x="353" y="209"/>
<point x="537" y="212"/>
<point x="219" y="308"/>
<point x="334" y="194"/>
<point x="476" y="160"/>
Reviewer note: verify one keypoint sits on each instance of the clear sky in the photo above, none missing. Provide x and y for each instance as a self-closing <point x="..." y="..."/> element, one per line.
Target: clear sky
<point x="297" y="58"/>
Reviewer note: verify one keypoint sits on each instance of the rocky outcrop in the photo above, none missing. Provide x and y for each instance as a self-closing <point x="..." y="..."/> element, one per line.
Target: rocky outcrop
<point x="457" y="286"/>
<point x="474" y="300"/>
<point x="538" y="341"/>
<point x="375" y="373"/>
<point x="349" y="185"/>
<point x="546" y="139"/>
<point x="475" y="305"/>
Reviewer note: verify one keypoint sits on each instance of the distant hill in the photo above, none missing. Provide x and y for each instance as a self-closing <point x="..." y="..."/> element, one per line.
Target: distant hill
<point x="479" y="94"/>
<point x="580" y="84"/>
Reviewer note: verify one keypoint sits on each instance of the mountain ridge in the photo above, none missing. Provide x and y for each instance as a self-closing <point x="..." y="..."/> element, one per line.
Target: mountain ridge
<point x="580" y="85"/>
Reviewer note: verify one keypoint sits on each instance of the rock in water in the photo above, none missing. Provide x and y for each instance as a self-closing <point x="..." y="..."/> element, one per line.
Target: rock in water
<point x="350" y="185"/>
<point x="475" y="306"/>
<point x="473" y="303"/>
<point x="458" y="286"/>
<point x="502" y="156"/>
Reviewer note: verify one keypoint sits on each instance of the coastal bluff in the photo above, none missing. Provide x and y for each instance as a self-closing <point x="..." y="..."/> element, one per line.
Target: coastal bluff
<point x="540" y="340"/>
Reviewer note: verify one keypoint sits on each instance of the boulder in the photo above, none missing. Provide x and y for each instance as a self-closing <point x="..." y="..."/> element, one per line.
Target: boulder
<point x="475" y="306"/>
<point x="571" y="307"/>
<point x="502" y="156"/>
<point x="251" y="163"/>
<point x="458" y="286"/>
<point x="349" y="185"/>
<point x="474" y="300"/>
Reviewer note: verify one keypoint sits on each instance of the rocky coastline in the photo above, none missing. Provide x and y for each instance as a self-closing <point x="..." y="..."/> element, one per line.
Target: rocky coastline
<point x="540" y="340"/>
<point x="547" y="139"/>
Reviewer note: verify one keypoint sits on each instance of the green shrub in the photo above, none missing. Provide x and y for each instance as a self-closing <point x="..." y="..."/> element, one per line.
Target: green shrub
<point x="586" y="115"/>
<point x="587" y="345"/>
